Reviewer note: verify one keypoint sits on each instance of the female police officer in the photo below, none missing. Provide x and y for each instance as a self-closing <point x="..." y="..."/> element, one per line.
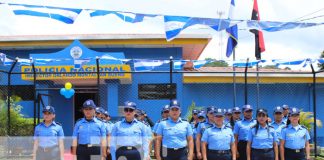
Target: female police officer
<point x="176" y="135"/>
<point x="262" y="138"/>
<point x="294" y="139"/>
<point x="89" y="134"/>
<point x="129" y="137"/>
<point x="48" y="144"/>
<point x="220" y="140"/>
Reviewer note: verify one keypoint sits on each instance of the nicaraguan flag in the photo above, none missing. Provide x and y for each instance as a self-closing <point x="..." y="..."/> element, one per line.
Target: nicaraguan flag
<point x="65" y="15"/>
<point x="178" y="64"/>
<point x="249" y="64"/>
<point x="285" y="62"/>
<point x="125" y="16"/>
<point x="78" y="63"/>
<point x="147" y="65"/>
<point x="199" y="63"/>
<point x="24" y="62"/>
<point x="175" y="24"/>
<point x="232" y="32"/>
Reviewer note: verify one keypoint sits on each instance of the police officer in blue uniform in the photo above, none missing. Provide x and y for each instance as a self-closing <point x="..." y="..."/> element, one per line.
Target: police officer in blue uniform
<point x="262" y="139"/>
<point x="175" y="135"/>
<point x="219" y="139"/>
<point x="129" y="139"/>
<point x="89" y="134"/>
<point x="194" y="120"/>
<point x="165" y="114"/>
<point x="236" y="116"/>
<point x="294" y="139"/>
<point x="241" y="130"/>
<point x="109" y="126"/>
<point x="48" y="137"/>
<point x="278" y="122"/>
<point x="285" y="112"/>
<point x="202" y="127"/>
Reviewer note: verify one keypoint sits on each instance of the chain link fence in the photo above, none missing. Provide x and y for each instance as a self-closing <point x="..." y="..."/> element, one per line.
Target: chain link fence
<point x="29" y="92"/>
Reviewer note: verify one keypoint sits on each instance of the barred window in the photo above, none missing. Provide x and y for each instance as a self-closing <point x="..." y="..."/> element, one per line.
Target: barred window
<point x="157" y="91"/>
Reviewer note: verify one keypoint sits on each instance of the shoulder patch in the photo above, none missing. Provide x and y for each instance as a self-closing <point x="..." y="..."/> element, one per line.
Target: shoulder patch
<point x="164" y="119"/>
<point x="303" y="126"/>
<point x="58" y="123"/>
<point x="270" y="126"/>
<point x="230" y="127"/>
<point x="254" y="126"/>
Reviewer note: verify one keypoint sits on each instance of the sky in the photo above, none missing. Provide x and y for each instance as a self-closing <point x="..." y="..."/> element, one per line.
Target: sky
<point x="288" y="45"/>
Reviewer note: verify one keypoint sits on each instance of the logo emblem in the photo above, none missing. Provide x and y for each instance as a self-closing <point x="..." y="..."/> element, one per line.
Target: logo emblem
<point x="294" y="110"/>
<point x="47" y="107"/>
<point x="219" y="110"/>
<point x="76" y="52"/>
<point x="278" y="108"/>
<point x="88" y="102"/>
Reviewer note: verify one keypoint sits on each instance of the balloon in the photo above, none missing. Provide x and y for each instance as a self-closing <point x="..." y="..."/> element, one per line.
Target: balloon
<point x="67" y="93"/>
<point x="68" y="85"/>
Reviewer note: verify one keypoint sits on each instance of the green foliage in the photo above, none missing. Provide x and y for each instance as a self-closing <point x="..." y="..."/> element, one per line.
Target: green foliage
<point x="270" y="67"/>
<point x="307" y="119"/>
<point x="190" y="108"/>
<point x="20" y="126"/>
<point x="216" y="63"/>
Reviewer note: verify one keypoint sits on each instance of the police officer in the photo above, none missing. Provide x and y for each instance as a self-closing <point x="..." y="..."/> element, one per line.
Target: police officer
<point x="89" y="134"/>
<point x="262" y="139"/>
<point x="100" y="113"/>
<point x="129" y="139"/>
<point x="109" y="126"/>
<point x="175" y="135"/>
<point x="194" y="120"/>
<point x="48" y="137"/>
<point x="278" y="123"/>
<point x="294" y="139"/>
<point x="285" y="112"/>
<point x="220" y="140"/>
<point x="228" y="117"/>
<point x="236" y="114"/>
<point x="202" y="127"/>
<point x="194" y="117"/>
<point x="164" y="114"/>
<point x="241" y="130"/>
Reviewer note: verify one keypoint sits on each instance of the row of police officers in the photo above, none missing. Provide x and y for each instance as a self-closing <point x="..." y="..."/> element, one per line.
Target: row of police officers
<point x="214" y="134"/>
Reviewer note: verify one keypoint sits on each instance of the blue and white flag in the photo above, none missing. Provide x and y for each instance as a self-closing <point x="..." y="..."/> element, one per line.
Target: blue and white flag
<point x="178" y="64"/>
<point x="285" y="62"/>
<point x="78" y="63"/>
<point x="199" y="63"/>
<point x="24" y="62"/>
<point x="249" y="64"/>
<point x="271" y="26"/>
<point x="125" y="16"/>
<point x="232" y="32"/>
<point x="6" y="61"/>
<point x="65" y="15"/>
<point x="147" y="65"/>
<point x="175" y="24"/>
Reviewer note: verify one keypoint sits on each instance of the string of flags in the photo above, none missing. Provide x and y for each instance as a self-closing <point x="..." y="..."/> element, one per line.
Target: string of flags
<point x="141" y="65"/>
<point x="173" y="25"/>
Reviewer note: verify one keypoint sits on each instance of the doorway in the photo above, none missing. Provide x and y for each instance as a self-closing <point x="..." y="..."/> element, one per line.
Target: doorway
<point x="79" y="99"/>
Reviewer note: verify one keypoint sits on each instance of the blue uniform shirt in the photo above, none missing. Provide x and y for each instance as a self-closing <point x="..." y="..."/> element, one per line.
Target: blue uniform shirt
<point x="129" y="134"/>
<point x="294" y="137"/>
<point x="174" y="134"/>
<point x="218" y="138"/>
<point x="48" y="136"/>
<point x="109" y="126"/>
<point x="89" y="132"/>
<point x="277" y="127"/>
<point x="285" y="118"/>
<point x="242" y="128"/>
<point x="202" y="126"/>
<point x="263" y="139"/>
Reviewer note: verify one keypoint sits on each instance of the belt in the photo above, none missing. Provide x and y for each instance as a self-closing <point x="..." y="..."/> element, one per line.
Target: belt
<point x="46" y="149"/>
<point x="129" y="147"/>
<point x="176" y="149"/>
<point x="89" y="145"/>
<point x="295" y="150"/>
<point x="263" y="150"/>
<point x="242" y="141"/>
<point x="219" y="151"/>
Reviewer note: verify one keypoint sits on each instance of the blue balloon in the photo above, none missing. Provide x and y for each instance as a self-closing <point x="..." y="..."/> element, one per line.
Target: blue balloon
<point x="67" y="93"/>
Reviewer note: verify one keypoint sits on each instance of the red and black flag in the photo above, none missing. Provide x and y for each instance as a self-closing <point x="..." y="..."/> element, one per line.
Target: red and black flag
<point x="259" y="41"/>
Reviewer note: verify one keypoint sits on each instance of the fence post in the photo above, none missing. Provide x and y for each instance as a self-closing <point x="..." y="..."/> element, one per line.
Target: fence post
<point x="9" y="95"/>
<point x="171" y="78"/>
<point x="245" y="80"/>
<point x="258" y="86"/>
<point x="98" y="81"/>
<point x="314" y="109"/>
<point x="35" y="98"/>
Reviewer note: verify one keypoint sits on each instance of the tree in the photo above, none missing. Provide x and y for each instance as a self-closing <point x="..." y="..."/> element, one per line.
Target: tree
<point x="321" y="66"/>
<point x="215" y="63"/>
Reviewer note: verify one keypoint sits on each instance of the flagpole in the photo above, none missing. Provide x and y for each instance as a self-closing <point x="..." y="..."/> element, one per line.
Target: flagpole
<point x="258" y="85"/>
<point x="234" y="80"/>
